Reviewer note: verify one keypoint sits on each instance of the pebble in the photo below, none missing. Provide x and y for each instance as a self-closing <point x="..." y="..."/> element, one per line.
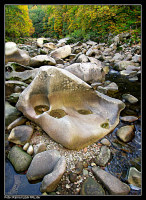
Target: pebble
<point x="72" y="177"/>
<point x="85" y="149"/>
<point x="85" y="164"/>
<point x="93" y="164"/>
<point x="129" y="118"/>
<point x="68" y="186"/>
<point x="25" y="147"/>
<point x="30" y="150"/>
<point x="79" y="167"/>
<point x="105" y="141"/>
<point x="19" y="121"/>
<point x="85" y="172"/>
<point x="130" y="98"/>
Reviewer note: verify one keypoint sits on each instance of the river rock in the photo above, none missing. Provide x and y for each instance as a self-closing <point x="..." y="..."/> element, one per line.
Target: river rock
<point x="72" y="177"/>
<point x="43" y="51"/>
<point x="129" y="73"/>
<point x="129" y="118"/>
<point x="92" y="52"/>
<point x="134" y="177"/>
<point x="61" y="52"/>
<point x="107" y="51"/>
<point x="24" y="77"/>
<point x="50" y="45"/>
<point x="105" y="141"/>
<point x="133" y="68"/>
<point x="88" y="115"/>
<point x="25" y="147"/>
<point x="111" y="88"/>
<point x="41" y="60"/>
<point x="103" y="157"/>
<point x="118" y="57"/>
<point x="14" y="54"/>
<point x="126" y="133"/>
<point x="19" y="121"/>
<point x="50" y="181"/>
<point x="78" y="167"/>
<point x="42" y="164"/>
<point x="19" y="159"/>
<point x="20" y="134"/>
<point x="62" y="42"/>
<point x="91" y="187"/>
<point x="13" y="66"/>
<point x="30" y="150"/>
<point x="91" y="43"/>
<point x="130" y="98"/>
<point x="136" y="58"/>
<point x="10" y="48"/>
<point x="39" y="148"/>
<point x="82" y="59"/>
<point x="11" y="113"/>
<point x="40" y="42"/>
<point x="88" y="72"/>
<point x="18" y="89"/>
<point x="110" y="182"/>
<point x="10" y="86"/>
<point x="122" y="65"/>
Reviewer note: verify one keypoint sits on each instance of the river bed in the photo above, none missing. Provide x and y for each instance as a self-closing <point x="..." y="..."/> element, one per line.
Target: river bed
<point x="124" y="155"/>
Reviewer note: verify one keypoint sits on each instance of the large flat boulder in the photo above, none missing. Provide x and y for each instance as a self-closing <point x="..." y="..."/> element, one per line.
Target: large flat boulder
<point x="68" y="109"/>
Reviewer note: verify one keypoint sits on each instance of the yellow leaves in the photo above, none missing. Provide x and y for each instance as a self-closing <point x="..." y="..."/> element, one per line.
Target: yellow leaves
<point x="21" y="23"/>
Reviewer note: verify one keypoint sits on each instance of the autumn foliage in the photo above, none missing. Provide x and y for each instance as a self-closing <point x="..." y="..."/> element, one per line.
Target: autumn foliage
<point x="80" y="21"/>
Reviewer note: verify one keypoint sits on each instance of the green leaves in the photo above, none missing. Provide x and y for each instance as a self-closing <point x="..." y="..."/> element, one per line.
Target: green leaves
<point x="17" y="21"/>
<point x="72" y="20"/>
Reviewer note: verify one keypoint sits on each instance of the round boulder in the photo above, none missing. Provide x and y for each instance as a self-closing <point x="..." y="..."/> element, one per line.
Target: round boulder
<point x="42" y="164"/>
<point x="19" y="159"/>
<point x="20" y="134"/>
<point x="126" y="133"/>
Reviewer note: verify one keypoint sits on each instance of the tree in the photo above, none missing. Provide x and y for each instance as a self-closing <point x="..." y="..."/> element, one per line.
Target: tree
<point x="17" y="21"/>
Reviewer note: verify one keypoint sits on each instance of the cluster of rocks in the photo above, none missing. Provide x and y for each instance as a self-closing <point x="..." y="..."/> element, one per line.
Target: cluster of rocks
<point x="90" y="62"/>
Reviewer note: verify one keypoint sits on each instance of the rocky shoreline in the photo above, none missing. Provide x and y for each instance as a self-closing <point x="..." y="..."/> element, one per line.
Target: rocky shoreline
<point x="85" y="171"/>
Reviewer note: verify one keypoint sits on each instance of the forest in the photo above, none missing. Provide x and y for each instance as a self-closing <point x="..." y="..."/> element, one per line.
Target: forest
<point x="94" y="22"/>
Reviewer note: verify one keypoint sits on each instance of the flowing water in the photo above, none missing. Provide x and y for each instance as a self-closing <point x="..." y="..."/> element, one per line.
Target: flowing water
<point x="129" y="154"/>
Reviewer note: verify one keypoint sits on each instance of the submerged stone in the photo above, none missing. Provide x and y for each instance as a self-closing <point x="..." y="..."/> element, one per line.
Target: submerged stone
<point x="103" y="157"/>
<point x="130" y="98"/>
<point x="70" y="111"/>
<point x="91" y="187"/>
<point x="134" y="177"/>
